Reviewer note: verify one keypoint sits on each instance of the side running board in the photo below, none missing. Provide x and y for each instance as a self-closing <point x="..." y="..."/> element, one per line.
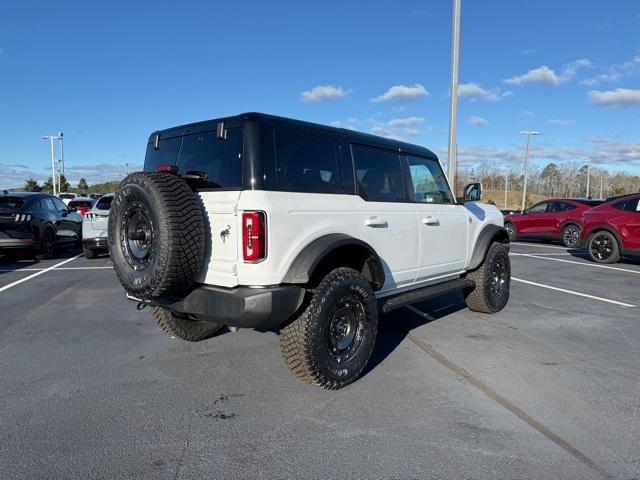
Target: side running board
<point x="425" y="293"/>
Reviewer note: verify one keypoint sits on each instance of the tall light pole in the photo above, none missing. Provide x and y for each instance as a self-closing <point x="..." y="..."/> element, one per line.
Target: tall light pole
<point x="453" y="101"/>
<point x="529" y="134"/>
<point x="61" y="137"/>
<point x="51" y="138"/>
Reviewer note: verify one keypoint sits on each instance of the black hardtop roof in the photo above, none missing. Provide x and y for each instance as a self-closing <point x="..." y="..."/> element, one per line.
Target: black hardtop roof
<point x="352" y="135"/>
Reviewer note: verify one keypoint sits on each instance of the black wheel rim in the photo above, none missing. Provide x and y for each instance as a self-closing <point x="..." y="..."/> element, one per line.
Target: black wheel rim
<point x="601" y="247"/>
<point x="47" y="248"/>
<point x="571" y="236"/>
<point x="137" y="238"/>
<point x="346" y="328"/>
<point x="498" y="280"/>
<point x="510" y="230"/>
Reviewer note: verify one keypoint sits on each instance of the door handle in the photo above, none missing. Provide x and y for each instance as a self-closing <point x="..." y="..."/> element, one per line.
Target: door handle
<point x="375" y="222"/>
<point x="431" y="221"/>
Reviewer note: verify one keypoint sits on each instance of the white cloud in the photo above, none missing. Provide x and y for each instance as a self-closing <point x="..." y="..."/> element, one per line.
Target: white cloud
<point x="548" y="76"/>
<point x="618" y="98"/>
<point x="401" y="93"/>
<point x="405" y="122"/>
<point x="475" y="91"/>
<point x="323" y="93"/>
<point x="477" y="121"/>
<point x="616" y="72"/>
<point x="560" y="121"/>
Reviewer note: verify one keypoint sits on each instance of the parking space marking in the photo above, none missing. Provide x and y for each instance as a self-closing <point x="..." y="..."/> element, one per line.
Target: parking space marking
<point x="536" y="245"/>
<point x="579" y="294"/>
<point x="22" y="280"/>
<point x="18" y="270"/>
<point x="505" y="403"/>
<point x="551" y="254"/>
<point x="595" y="265"/>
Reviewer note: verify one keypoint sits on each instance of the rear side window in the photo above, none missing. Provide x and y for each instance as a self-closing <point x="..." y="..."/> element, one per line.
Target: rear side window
<point x="561" y="207"/>
<point x="428" y="180"/>
<point x="47" y="204"/>
<point x="10" y="203"/>
<point x="216" y="161"/>
<point x="306" y="162"/>
<point x="378" y="174"/>
<point x="629" y="205"/>
<point x="165" y="154"/>
<point x="104" y="203"/>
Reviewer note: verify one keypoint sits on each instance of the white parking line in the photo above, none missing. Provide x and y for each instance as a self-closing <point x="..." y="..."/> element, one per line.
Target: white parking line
<point x="579" y="294"/>
<point x="595" y="265"/>
<point x="565" y="254"/>
<point x="18" y="282"/>
<point x="18" y="270"/>
<point x="536" y="245"/>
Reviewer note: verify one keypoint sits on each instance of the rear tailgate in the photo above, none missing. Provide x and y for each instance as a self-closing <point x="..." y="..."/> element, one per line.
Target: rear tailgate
<point x="95" y="224"/>
<point x="222" y="237"/>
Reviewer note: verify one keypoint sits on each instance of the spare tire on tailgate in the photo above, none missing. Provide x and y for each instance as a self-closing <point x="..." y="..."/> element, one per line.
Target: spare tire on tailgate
<point x="156" y="235"/>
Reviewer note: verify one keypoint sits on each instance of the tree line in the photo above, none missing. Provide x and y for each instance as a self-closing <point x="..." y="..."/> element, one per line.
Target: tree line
<point x="32" y="185"/>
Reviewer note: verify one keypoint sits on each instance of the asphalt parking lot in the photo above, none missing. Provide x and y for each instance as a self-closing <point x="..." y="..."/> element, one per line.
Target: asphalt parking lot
<point x="548" y="388"/>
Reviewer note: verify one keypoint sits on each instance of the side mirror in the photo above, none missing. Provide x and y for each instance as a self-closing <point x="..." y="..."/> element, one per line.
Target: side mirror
<point x="472" y="192"/>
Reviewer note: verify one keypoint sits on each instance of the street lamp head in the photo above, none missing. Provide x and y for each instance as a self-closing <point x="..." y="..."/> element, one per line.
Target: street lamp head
<point x="530" y="133"/>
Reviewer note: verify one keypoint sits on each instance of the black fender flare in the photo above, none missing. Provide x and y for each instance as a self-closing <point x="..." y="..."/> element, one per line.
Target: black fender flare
<point x="307" y="260"/>
<point x="488" y="234"/>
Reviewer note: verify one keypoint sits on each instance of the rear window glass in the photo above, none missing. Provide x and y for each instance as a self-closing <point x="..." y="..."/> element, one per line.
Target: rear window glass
<point x="104" y="203"/>
<point x="217" y="161"/>
<point x="165" y="154"/>
<point x="306" y="162"/>
<point x="10" y="203"/>
<point x="378" y="174"/>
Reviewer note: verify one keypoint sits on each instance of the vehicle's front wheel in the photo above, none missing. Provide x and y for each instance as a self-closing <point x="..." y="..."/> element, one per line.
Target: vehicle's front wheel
<point x="603" y="247"/>
<point x="492" y="280"/>
<point x="570" y="236"/>
<point x="511" y="231"/>
<point x="186" y="329"/>
<point x="89" y="253"/>
<point x="330" y="342"/>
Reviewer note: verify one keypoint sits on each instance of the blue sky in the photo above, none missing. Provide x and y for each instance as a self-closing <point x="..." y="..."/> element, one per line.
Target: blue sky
<point x="109" y="73"/>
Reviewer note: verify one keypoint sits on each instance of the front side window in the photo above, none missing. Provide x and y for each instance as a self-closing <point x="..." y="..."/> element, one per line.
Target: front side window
<point x="216" y="161"/>
<point x="165" y="154"/>
<point x="378" y="174"/>
<point x="429" y="182"/>
<point x="306" y="162"/>
<point x="539" y="208"/>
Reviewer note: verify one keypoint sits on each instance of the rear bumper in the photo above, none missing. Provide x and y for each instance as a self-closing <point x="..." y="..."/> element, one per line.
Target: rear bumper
<point x="242" y="307"/>
<point x="98" y="243"/>
<point x="18" y="243"/>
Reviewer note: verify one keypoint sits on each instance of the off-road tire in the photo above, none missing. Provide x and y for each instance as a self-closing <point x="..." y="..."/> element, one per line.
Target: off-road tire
<point x="185" y="329"/>
<point x="168" y="217"/>
<point x="89" y="253"/>
<point x="614" y="255"/>
<point x="511" y="231"/>
<point x="569" y="233"/>
<point x="484" y="298"/>
<point x="305" y="342"/>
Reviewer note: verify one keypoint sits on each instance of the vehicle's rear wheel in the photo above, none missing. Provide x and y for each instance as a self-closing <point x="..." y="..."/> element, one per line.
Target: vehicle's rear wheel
<point x="330" y="342"/>
<point x="184" y="328"/>
<point x="511" y="231"/>
<point x="89" y="253"/>
<point x="492" y="279"/>
<point x="603" y="247"/>
<point x="571" y="236"/>
<point x="47" y="245"/>
<point x="156" y="235"/>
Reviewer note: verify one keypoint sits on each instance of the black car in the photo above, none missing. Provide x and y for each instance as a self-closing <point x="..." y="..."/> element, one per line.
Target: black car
<point x="37" y="221"/>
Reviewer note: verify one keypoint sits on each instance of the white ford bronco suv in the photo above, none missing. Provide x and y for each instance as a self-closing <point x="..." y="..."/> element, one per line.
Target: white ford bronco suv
<point x="258" y="221"/>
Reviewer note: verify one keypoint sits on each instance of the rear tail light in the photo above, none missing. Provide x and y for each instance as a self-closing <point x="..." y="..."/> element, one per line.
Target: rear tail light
<point x="22" y="217"/>
<point x="254" y="236"/>
<point x="167" y="168"/>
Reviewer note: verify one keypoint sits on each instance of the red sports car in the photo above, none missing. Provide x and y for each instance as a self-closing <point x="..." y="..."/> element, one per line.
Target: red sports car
<point x="556" y="219"/>
<point x="612" y="229"/>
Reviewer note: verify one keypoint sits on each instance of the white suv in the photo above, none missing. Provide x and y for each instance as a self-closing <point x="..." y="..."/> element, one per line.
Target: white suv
<point x="94" y="227"/>
<point x="262" y="221"/>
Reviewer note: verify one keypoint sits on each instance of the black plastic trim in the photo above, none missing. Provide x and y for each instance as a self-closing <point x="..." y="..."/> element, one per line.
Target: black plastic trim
<point x="485" y="239"/>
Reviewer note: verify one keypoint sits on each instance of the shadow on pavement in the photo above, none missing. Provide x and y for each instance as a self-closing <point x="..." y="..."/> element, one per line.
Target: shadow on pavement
<point x="395" y="326"/>
<point x="16" y="260"/>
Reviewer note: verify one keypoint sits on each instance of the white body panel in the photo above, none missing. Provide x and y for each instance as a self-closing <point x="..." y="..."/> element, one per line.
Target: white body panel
<point x="413" y="253"/>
